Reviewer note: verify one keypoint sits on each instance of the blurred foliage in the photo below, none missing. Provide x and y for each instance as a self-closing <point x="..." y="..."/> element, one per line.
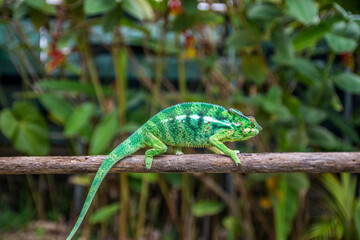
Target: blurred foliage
<point x="292" y="64"/>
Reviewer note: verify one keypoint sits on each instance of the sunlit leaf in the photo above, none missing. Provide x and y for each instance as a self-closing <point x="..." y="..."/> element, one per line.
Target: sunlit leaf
<point x="104" y="213"/>
<point x="304" y="11"/>
<point x="70" y="86"/>
<point x="79" y="118"/>
<point x="59" y="108"/>
<point x="104" y="132"/>
<point x="96" y="7"/>
<point x="340" y="44"/>
<point x="357" y="218"/>
<point x="348" y="81"/>
<point x="263" y="11"/>
<point x="206" y="208"/>
<point x="26" y="128"/>
<point x="311" y="35"/>
<point x="140" y="9"/>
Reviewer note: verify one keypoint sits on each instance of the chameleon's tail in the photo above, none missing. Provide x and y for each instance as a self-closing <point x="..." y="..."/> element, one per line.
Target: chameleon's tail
<point x="129" y="146"/>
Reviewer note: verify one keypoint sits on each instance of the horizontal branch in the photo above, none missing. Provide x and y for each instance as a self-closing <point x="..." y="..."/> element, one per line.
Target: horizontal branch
<point x="311" y="162"/>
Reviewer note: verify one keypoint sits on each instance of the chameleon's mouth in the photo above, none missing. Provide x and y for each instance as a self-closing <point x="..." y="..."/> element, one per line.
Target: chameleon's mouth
<point x="251" y="130"/>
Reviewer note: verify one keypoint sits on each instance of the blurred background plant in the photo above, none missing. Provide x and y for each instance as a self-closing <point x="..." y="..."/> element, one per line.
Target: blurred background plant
<point x="76" y="77"/>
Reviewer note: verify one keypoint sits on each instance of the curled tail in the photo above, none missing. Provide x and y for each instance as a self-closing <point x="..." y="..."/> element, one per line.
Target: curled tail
<point x="129" y="146"/>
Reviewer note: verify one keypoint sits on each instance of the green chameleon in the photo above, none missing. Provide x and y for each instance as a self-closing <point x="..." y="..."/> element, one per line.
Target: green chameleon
<point x="182" y="125"/>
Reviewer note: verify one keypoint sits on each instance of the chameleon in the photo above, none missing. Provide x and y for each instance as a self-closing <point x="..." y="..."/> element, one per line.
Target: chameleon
<point x="191" y="124"/>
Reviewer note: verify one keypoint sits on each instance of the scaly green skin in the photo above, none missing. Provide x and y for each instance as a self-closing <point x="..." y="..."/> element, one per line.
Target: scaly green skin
<point x="182" y="125"/>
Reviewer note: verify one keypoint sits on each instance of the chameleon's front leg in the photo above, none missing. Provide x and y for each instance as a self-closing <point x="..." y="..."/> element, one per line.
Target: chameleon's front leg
<point x="157" y="147"/>
<point x="216" y="141"/>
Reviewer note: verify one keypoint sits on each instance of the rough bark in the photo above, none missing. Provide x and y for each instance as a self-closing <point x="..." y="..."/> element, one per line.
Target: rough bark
<point x="310" y="162"/>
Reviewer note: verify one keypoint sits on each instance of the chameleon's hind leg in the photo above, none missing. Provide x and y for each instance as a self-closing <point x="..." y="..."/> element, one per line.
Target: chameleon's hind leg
<point x="215" y="150"/>
<point x="178" y="151"/>
<point x="157" y="147"/>
<point x="216" y="141"/>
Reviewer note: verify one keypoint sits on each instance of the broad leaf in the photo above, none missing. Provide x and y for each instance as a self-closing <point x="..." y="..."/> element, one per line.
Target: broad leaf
<point x="322" y="137"/>
<point x="41" y="5"/>
<point x="96" y="7"/>
<point x="26" y="128"/>
<point x="206" y="208"/>
<point x="313" y="115"/>
<point x="70" y="86"/>
<point x="242" y="39"/>
<point x="79" y="118"/>
<point x="104" y="213"/>
<point x="104" y="132"/>
<point x="140" y="9"/>
<point x="304" y="11"/>
<point x="263" y="11"/>
<point x="348" y="81"/>
<point x="340" y="44"/>
<point x="311" y="35"/>
<point x="283" y="46"/>
<point x="190" y="6"/>
<point x="59" y="108"/>
<point x="254" y="68"/>
<point x="308" y="69"/>
<point x="185" y="21"/>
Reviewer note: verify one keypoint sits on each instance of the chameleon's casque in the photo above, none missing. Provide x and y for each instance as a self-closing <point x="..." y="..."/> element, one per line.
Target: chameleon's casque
<point x="182" y="125"/>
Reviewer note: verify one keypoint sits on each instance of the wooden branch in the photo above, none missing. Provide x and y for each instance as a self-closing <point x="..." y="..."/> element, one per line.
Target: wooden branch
<point x="311" y="162"/>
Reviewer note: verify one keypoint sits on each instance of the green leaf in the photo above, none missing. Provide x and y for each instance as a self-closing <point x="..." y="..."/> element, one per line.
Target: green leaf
<point x="283" y="46"/>
<point x="59" y="108"/>
<point x="185" y="21"/>
<point x="263" y="11"/>
<point x="344" y="126"/>
<point x="286" y="205"/>
<point x="254" y="68"/>
<point x="357" y="218"/>
<point x="26" y="128"/>
<point x="104" y="213"/>
<point x="206" y="208"/>
<point x="346" y="29"/>
<point x="70" y="86"/>
<point x="190" y="6"/>
<point x="311" y="35"/>
<point x="348" y="81"/>
<point x="92" y="7"/>
<point x="340" y="44"/>
<point x="112" y="18"/>
<point x="305" y="11"/>
<point x="140" y="9"/>
<point x="308" y="69"/>
<point x="103" y="134"/>
<point x="322" y="137"/>
<point x="79" y="118"/>
<point x="42" y="6"/>
<point x="241" y="39"/>
<point x="313" y="115"/>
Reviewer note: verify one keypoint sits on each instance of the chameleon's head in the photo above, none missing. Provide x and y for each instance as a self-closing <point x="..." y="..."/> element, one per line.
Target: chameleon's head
<point x="245" y="127"/>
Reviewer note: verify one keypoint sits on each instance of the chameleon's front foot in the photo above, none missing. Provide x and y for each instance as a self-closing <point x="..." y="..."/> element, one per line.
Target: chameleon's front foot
<point x="235" y="157"/>
<point x="148" y="162"/>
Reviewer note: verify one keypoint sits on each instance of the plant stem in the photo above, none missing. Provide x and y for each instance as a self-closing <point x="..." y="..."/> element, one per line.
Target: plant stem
<point x="181" y="69"/>
<point x="120" y="64"/>
<point x="142" y="205"/>
<point x="124" y="206"/>
<point x="93" y="74"/>
<point x="325" y="78"/>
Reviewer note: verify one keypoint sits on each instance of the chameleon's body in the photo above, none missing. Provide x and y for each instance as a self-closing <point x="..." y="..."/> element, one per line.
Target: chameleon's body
<point x="183" y="125"/>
